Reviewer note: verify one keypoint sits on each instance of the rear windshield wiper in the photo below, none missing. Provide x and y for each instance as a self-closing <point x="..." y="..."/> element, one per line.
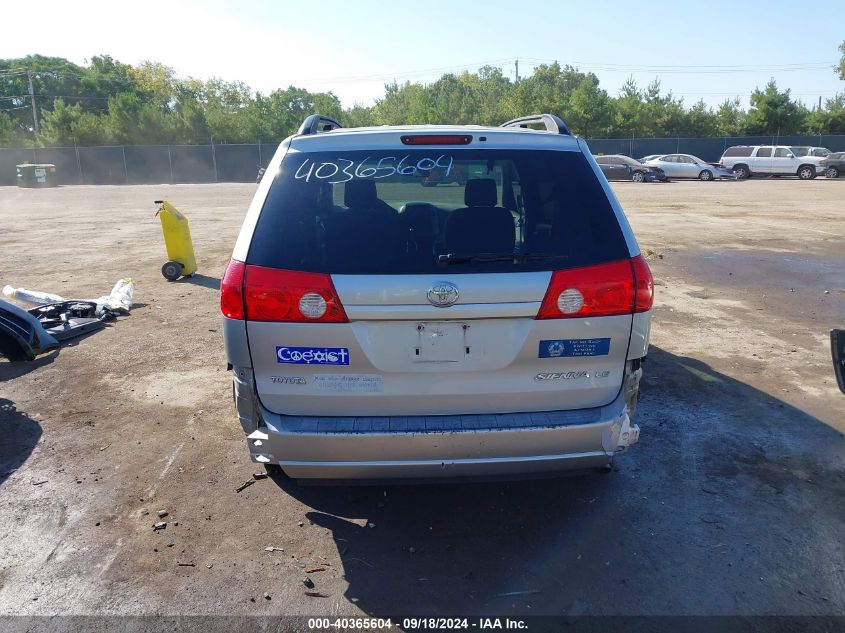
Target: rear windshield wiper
<point x="452" y="258"/>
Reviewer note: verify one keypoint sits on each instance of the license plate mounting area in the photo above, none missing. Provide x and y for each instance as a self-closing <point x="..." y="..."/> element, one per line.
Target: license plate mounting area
<point x="441" y="342"/>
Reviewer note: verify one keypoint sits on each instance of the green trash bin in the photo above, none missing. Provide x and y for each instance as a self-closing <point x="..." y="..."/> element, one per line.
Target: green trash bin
<point x="41" y="175"/>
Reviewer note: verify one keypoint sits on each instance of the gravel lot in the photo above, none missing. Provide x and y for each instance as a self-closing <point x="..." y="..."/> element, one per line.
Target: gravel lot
<point x="730" y="504"/>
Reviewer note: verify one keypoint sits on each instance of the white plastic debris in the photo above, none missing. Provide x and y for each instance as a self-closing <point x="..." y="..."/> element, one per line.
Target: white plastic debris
<point x="31" y="296"/>
<point x="120" y="299"/>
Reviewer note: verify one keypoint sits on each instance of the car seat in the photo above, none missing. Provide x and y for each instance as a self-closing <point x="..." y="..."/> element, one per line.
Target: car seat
<point x="421" y="223"/>
<point x="367" y="235"/>
<point x="481" y="226"/>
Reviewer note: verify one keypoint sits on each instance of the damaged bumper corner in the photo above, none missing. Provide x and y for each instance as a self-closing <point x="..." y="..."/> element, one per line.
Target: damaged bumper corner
<point x="246" y="400"/>
<point x="257" y="444"/>
<point x="629" y="434"/>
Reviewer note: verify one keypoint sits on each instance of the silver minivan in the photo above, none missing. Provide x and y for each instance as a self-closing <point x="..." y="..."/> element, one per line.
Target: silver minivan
<point x="435" y="301"/>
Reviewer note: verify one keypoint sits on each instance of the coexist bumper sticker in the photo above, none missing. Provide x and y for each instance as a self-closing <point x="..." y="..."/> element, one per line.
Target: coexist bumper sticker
<point x="574" y="347"/>
<point x="312" y="355"/>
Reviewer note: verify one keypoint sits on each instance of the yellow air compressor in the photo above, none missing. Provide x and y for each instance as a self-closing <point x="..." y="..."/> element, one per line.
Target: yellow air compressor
<point x="177" y="240"/>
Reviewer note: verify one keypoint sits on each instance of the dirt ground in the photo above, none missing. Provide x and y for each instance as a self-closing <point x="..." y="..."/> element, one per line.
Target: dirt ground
<point x="732" y="502"/>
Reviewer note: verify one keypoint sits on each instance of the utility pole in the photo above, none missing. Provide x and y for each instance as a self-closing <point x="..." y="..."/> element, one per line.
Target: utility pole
<point x="214" y="158"/>
<point x="517" y="71"/>
<point x="34" y="109"/>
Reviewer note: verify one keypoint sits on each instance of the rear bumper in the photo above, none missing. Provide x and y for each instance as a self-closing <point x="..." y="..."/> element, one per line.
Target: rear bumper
<point x="443" y="446"/>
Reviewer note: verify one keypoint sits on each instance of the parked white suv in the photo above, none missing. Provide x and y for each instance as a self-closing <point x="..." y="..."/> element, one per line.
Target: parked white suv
<point x="750" y="160"/>
<point x="378" y="327"/>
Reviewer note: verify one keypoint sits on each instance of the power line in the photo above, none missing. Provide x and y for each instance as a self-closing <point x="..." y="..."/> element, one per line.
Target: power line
<point x="815" y="93"/>
<point x="62" y="74"/>
<point x="688" y="69"/>
<point x="685" y="66"/>
<point x="9" y="73"/>
<point x="91" y="98"/>
<point x="408" y="73"/>
<point x="585" y="65"/>
<point x="610" y="67"/>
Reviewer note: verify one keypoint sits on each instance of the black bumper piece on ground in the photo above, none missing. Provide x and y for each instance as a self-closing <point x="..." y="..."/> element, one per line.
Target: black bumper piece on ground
<point x="27" y="334"/>
<point x="22" y="337"/>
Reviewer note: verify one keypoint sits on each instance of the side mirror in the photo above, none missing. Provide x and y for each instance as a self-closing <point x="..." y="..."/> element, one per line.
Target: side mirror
<point x="837" y="350"/>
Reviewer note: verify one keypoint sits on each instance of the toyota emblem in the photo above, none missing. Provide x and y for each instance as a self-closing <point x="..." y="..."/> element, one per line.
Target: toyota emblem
<point x="443" y="294"/>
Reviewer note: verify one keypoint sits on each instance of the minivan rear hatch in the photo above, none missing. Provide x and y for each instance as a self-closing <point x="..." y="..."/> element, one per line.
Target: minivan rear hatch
<point x="438" y="280"/>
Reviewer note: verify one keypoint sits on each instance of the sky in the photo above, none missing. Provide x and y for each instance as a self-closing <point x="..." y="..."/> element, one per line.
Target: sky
<point x="703" y="50"/>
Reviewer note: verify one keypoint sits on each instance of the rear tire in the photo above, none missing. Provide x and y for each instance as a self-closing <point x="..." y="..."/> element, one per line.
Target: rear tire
<point x="638" y="176"/>
<point x="172" y="271"/>
<point x="806" y="172"/>
<point x="706" y="175"/>
<point x="832" y="172"/>
<point x="742" y="172"/>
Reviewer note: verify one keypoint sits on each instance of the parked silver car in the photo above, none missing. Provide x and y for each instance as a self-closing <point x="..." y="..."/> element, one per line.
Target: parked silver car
<point x="688" y="166"/>
<point x="378" y="328"/>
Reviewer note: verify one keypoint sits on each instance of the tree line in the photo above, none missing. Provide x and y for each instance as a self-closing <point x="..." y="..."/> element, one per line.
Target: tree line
<point x="109" y="102"/>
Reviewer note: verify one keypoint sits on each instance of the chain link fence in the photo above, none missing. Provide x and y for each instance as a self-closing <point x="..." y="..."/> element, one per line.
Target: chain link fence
<point x="143" y="164"/>
<point x="157" y="164"/>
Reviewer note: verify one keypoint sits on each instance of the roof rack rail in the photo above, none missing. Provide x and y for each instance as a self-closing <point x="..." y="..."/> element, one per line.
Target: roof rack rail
<point x="550" y="121"/>
<point x="317" y="123"/>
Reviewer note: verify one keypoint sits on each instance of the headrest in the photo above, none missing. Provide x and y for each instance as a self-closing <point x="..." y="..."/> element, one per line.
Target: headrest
<point x="360" y="194"/>
<point x="480" y="192"/>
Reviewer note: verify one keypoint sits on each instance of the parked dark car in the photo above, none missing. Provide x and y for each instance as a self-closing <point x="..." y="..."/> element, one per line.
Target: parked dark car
<point x="835" y="164"/>
<point x="621" y="167"/>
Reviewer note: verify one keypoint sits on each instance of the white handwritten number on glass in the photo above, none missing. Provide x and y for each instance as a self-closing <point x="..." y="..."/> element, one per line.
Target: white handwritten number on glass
<point x="341" y="169"/>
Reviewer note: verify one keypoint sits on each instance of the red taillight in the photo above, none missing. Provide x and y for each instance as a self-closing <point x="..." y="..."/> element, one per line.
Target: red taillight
<point x="591" y="291"/>
<point x="231" y="291"/>
<point x="645" y="285"/>
<point x="271" y="294"/>
<point x="436" y="139"/>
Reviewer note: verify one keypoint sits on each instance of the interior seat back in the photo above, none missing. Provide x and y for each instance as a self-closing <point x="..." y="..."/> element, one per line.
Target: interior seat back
<point x="481" y="226"/>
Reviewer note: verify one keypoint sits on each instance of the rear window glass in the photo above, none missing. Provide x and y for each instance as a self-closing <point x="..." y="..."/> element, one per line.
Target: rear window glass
<point x="737" y="151"/>
<point x="422" y="211"/>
